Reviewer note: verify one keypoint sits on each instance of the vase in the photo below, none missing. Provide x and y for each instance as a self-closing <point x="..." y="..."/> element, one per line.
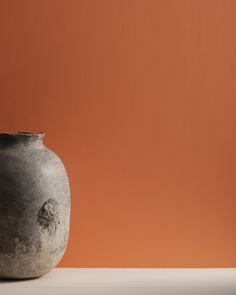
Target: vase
<point x="34" y="206"/>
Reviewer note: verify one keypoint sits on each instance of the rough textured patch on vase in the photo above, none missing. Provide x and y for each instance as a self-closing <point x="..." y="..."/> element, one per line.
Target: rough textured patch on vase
<point x="34" y="206"/>
<point x="49" y="216"/>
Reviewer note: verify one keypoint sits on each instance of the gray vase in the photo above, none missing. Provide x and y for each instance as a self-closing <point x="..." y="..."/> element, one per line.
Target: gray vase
<point x="34" y="206"/>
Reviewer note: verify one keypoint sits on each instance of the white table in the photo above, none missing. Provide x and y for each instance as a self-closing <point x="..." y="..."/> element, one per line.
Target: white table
<point x="113" y="281"/>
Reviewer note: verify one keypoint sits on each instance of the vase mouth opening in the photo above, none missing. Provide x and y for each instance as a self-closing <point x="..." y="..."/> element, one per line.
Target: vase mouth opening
<point x="24" y="134"/>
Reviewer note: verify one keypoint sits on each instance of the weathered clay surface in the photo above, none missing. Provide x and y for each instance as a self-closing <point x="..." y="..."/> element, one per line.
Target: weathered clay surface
<point x="34" y="206"/>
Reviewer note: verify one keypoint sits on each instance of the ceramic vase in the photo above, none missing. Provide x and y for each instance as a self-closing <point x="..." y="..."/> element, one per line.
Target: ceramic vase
<point x="34" y="206"/>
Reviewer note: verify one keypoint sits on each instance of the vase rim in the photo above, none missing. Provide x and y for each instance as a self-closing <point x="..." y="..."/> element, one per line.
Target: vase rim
<point x="25" y="134"/>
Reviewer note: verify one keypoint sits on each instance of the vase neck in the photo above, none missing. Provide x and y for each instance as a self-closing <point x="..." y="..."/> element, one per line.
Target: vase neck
<point x="24" y="139"/>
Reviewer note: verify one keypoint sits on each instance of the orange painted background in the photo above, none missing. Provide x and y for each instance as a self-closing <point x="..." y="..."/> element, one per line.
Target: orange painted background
<point x="139" y="100"/>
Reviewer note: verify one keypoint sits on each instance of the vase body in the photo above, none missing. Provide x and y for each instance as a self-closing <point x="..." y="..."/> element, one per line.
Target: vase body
<point x="34" y="206"/>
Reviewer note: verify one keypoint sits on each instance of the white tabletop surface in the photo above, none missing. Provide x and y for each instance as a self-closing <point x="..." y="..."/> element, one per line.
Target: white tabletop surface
<point x="114" y="281"/>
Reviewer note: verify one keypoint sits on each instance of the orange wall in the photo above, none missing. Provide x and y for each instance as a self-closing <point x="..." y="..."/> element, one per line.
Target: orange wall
<point x="139" y="100"/>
